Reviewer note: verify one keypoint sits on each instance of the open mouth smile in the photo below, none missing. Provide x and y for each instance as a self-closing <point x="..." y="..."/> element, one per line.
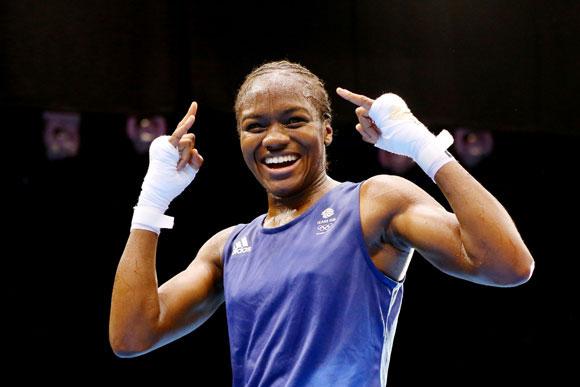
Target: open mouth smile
<point x="282" y="164"/>
<point x="276" y="162"/>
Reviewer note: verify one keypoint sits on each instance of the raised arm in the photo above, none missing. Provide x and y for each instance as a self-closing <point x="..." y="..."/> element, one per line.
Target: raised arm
<point x="478" y="241"/>
<point x="491" y="251"/>
<point x="143" y="316"/>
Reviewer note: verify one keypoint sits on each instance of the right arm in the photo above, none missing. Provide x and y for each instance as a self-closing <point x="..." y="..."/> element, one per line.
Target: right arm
<point x="144" y="316"/>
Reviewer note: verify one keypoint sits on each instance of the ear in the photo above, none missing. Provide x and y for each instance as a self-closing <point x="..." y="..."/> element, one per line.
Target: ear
<point x="327" y="133"/>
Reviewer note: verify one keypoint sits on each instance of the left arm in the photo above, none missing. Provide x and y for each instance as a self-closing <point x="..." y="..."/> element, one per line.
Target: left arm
<point x="478" y="241"/>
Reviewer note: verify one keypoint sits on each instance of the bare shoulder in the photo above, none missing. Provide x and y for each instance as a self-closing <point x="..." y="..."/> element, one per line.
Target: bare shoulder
<point x="212" y="250"/>
<point x="394" y="191"/>
<point x="382" y="198"/>
<point x="385" y="198"/>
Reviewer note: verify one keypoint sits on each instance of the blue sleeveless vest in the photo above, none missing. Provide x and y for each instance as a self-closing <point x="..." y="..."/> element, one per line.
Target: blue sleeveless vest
<point x="305" y="304"/>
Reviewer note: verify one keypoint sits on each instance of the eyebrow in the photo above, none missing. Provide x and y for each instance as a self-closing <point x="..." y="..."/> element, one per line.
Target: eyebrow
<point x="284" y="113"/>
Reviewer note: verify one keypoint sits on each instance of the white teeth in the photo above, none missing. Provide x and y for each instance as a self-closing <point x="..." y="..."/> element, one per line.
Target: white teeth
<point x="280" y="159"/>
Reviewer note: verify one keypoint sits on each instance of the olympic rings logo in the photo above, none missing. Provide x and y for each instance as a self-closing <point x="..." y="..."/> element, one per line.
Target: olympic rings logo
<point x="324" y="227"/>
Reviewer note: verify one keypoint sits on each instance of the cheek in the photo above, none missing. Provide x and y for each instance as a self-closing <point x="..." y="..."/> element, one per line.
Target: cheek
<point x="247" y="147"/>
<point x="316" y="141"/>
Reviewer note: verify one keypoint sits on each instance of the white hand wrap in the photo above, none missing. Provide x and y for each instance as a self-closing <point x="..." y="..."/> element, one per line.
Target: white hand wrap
<point x="162" y="183"/>
<point x="403" y="134"/>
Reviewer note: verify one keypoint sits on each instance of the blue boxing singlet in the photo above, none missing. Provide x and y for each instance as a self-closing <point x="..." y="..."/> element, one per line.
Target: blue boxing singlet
<point x="305" y="304"/>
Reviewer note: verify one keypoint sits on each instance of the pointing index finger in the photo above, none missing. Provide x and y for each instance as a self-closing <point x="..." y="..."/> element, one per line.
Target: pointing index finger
<point x="357" y="99"/>
<point x="184" y="124"/>
<point x="192" y="110"/>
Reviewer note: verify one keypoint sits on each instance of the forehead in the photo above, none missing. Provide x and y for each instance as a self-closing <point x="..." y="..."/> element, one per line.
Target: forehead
<point x="276" y="91"/>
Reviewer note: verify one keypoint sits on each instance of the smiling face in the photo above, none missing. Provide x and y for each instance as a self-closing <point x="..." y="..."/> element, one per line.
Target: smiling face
<point x="282" y="134"/>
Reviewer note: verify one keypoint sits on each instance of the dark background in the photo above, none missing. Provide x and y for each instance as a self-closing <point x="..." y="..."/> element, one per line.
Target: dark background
<point x="507" y="67"/>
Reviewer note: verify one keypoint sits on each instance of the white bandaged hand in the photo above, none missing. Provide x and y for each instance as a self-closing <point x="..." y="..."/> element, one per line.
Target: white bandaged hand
<point x="163" y="183"/>
<point x="403" y="134"/>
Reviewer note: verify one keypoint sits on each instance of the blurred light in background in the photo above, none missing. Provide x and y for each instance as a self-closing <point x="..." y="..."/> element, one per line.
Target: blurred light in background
<point x="472" y="146"/>
<point x="61" y="135"/>
<point x="143" y="130"/>
<point x="393" y="162"/>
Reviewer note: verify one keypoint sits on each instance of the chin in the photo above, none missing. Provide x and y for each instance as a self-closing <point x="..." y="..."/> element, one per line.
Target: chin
<point x="283" y="188"/>
<point x="281" y="192"/>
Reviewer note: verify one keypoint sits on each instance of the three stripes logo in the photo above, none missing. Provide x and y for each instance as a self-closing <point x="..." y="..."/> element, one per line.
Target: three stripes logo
<point x="241" y="246"/>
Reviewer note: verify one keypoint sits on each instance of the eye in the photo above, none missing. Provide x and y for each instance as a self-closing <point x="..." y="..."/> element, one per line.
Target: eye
<point x="295" y="122"/>
<point x="253" y="127"/>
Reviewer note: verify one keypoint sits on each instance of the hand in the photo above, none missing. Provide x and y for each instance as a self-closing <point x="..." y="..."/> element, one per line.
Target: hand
<point x="388" y="123"/>
<point x="173" y="164"/>
<point x="366" y="126"/>
<point x="185" y="142"/>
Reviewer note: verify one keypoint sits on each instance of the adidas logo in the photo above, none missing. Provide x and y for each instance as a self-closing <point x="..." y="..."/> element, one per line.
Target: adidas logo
<point x="241" y="246"/>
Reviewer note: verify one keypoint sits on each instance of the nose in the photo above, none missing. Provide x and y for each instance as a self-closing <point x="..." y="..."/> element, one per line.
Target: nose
<point x="276" y="138"/>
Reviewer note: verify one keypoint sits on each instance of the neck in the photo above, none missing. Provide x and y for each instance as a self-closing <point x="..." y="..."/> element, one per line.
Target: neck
<point x="283" y="209"/>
